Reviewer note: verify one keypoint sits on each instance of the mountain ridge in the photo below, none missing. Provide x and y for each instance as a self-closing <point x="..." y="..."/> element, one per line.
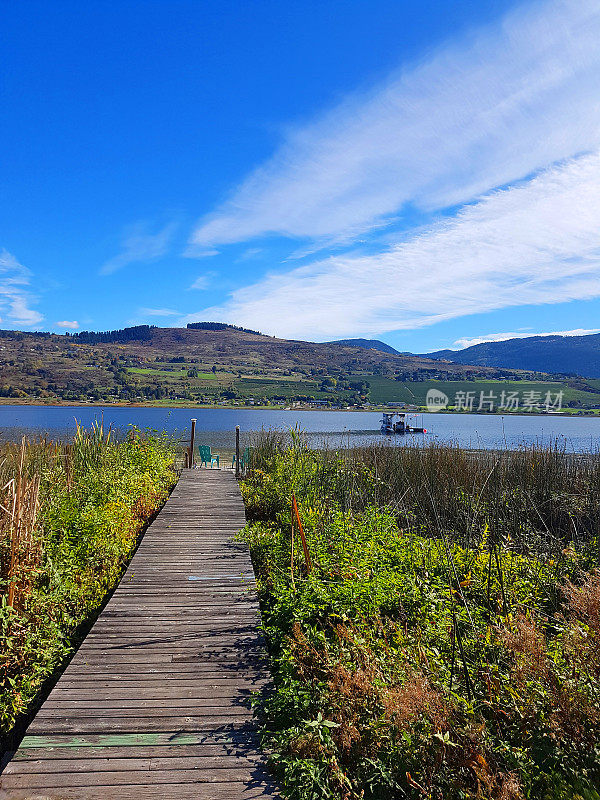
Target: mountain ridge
<point x="554" y="354"/>
<point x="367" y="344"/>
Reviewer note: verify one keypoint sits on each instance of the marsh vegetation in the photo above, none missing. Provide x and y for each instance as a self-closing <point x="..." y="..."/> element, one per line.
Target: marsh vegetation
<point x="445" y="642"/>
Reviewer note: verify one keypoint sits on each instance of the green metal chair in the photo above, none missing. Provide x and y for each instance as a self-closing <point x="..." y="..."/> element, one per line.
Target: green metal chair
<point x="244" y="459"/>
<point x="207" y="456"/>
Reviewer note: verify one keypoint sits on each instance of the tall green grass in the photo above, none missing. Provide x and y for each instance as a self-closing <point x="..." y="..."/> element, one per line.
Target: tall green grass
<point x="69" y="520"/>
<point x="536" y="497"/>
<point x="447" y="642"/>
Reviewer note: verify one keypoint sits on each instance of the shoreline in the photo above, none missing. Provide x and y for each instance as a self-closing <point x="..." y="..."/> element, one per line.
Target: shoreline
<point x="564" y="413"/>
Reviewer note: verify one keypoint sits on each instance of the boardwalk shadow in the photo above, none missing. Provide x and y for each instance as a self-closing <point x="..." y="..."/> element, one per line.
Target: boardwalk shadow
<point x="240" y="743"/>
<point x="189" y="637"/>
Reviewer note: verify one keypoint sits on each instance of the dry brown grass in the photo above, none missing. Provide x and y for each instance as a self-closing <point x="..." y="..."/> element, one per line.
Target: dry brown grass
<point x="416" y="700"/>
<point x="20" y="547"/>
<point x="525" y="639"/>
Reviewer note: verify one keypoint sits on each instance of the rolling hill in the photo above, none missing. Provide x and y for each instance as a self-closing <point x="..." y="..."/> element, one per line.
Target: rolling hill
<point x="206" y="361"/>
<point x="210" y="363"/>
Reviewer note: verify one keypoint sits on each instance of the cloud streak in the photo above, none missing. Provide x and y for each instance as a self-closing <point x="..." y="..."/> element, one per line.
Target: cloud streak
<point x="158" y="312"/>
<point x="460" y="344"/>
<point x="493" y="108"/>
<point x="202" y="281"/>
<point x="538" y="242"/>
<point x="140" y="245"/>
<point x="15" y="298"/>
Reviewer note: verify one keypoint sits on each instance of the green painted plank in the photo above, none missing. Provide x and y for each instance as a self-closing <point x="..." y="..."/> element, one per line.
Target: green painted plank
<point x="99" y="741"/>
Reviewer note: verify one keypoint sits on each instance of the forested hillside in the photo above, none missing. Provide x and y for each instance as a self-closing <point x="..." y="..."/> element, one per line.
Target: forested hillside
<point x="569" y="355"/>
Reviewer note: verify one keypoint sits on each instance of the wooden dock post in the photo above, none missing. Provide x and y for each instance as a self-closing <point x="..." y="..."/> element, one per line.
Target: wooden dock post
<point x="192" y="440"/>
<point x="237" y="451"/>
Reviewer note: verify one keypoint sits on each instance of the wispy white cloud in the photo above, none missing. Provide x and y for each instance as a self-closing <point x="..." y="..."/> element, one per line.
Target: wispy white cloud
<point x="538" y="242"/>
<point x="140" y="245"/>
<point x="15" y="298"/>
<point x="202" y="281"/>
<point x="65" y="323"/>
<point x="495" y="107"/>
<point x="199" y="251"/>
<point x="250" y="253"/>
<point x="460" y="344"/>
<point x="158" y="312"/>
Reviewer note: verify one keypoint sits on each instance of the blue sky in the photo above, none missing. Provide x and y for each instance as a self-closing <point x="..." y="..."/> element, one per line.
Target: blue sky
<point x="427" y="173"/>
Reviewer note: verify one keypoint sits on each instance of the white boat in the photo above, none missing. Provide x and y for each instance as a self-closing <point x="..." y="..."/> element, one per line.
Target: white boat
<point x="395" y="422"/>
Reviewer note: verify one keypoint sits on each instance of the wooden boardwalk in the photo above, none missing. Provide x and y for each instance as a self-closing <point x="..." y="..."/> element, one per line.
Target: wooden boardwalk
<point x="155" y="702"/>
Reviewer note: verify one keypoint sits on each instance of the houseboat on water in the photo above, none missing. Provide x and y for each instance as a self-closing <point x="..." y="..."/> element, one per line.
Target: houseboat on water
<point x="394" y="422"/>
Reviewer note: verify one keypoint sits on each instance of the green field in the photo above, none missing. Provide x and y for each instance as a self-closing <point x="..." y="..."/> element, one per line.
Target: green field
<point x="158" y="373"/>
<point x="276" y="387"/>
<point x="386" y="390"/>
<point x="382" y="390"/>
<point x="178" y="373"/>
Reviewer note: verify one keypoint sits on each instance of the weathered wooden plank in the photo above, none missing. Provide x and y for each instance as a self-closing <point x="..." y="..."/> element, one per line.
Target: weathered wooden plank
<point x="128" y="707"/>
<point x="198" y="640"/>
<point x="81" y="759"/>
<point x="75" y="754"/>
<point x="198" y="630"/>
<point x="150" y="682"/>
<point x="228" y="645"/>
<point x="201" y="617"/>
<point x="242" y="790"/>
<point x="129" y="777"/>
<point x="166" y="764"/>
<point x="175" y="670"/>
<point x="131" y="694"/>
<point x="155" y="702"/>
<point x="234" y="739"/>
<point x="216" y="660"/>
<point x="75" y="724"/>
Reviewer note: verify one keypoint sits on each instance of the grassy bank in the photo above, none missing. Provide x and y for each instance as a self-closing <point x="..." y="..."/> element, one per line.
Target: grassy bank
<point x="446" y="643"/>
<point x="70" y="518"/>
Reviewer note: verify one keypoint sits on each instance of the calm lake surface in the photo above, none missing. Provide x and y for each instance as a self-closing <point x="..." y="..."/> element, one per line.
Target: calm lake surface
<point x="333" y="428"/>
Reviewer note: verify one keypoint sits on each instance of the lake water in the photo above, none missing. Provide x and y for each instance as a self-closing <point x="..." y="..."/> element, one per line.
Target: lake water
<point x="216" y="426"/>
